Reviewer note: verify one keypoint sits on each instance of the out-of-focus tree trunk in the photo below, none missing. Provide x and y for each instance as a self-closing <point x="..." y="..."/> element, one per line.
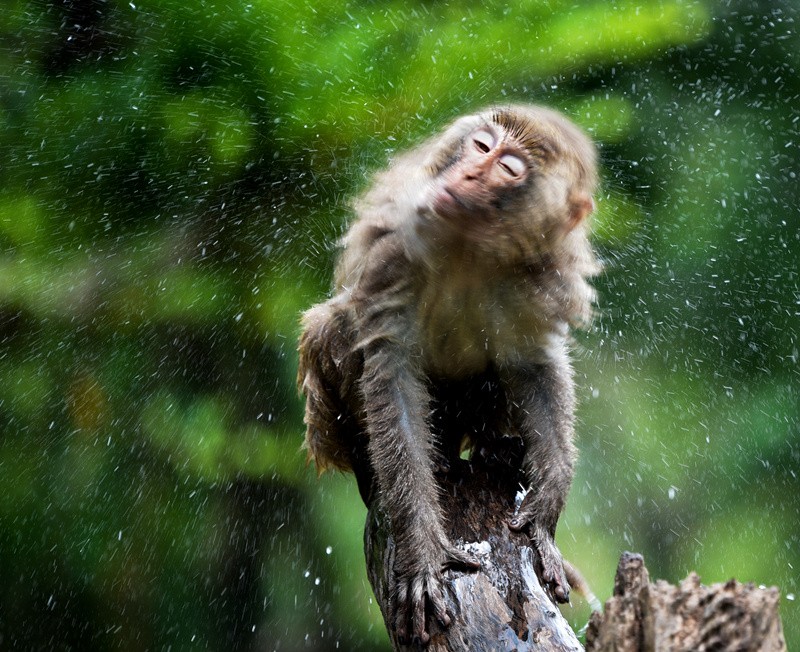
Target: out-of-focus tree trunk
<point x="689" y="617"/>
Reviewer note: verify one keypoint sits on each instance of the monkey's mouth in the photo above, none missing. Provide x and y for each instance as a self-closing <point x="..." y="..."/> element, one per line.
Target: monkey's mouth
<point x="464" y="216"/>
<point x="446" y="198"/>
<point x="447" y="204"/>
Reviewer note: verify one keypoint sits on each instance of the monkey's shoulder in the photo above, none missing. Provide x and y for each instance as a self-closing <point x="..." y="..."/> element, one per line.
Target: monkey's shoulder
<point x="372" y="261"/>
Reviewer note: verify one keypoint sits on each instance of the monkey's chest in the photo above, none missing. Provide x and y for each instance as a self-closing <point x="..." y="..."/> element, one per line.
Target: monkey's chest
<point x="466" y="327"/>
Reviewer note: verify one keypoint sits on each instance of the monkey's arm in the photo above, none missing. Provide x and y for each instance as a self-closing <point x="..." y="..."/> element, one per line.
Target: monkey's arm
<point x="542" y="400"/>
<point x="400" y="447"/>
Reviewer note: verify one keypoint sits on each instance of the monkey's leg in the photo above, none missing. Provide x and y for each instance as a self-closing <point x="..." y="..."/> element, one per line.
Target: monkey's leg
<point x="397" y="404"/>
<point x="328" y="374"/>
<point x="541" y="399"/>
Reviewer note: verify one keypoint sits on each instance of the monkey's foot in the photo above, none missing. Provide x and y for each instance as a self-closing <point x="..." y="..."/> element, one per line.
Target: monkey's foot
<point x="551" y="562"/>
<point x="421" y="595"/>
<point x="552" y="565"/>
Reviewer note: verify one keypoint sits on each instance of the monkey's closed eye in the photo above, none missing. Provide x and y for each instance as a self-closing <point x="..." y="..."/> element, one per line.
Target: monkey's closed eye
<point x="484" y="141"/>
<point x="512" y="165"/>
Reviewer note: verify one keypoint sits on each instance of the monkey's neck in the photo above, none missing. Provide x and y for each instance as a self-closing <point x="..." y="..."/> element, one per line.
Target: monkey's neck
<point x="471" y="318"/>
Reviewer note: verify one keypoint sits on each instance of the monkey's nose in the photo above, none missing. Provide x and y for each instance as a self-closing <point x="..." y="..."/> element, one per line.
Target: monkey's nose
<point x="474" y="173"/>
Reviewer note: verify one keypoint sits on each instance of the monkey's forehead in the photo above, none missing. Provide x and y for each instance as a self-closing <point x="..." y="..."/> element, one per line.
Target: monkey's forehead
<point x="533" y="125"/>
<point x="545" y="133"/>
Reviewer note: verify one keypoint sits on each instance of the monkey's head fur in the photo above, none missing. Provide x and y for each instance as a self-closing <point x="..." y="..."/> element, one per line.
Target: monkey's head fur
<point x="500" y="190"/>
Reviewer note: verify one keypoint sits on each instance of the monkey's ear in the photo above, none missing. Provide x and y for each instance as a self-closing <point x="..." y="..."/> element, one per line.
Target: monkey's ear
<point x="581" y="205"/>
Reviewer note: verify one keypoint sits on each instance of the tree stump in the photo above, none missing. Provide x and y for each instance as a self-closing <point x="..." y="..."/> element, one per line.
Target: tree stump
<point x="502" y="606"/>
<point x="690" y="617"/>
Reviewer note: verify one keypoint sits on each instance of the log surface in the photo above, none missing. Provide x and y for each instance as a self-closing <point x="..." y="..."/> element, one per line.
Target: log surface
<point x="660" y="617"/>
<point x="502" y="606"/>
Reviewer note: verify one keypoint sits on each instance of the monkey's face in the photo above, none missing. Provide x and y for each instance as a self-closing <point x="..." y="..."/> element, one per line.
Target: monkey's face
<point x="487" y="180"/>
<point x="512" y="182"/>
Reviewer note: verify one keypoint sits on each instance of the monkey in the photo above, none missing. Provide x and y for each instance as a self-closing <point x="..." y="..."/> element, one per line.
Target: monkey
<point x="467" y="264"/>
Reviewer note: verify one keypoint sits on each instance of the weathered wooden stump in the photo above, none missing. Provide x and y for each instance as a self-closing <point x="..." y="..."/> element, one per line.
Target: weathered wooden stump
<point x="646" y="617"/>
<point x="502" y="606"/>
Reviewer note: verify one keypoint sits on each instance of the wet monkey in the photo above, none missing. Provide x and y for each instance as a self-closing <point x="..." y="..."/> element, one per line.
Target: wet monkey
<point x="466" y="265"/>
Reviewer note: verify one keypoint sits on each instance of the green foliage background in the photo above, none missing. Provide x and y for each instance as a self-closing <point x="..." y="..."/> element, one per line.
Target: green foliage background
<point x="172" y="177"/>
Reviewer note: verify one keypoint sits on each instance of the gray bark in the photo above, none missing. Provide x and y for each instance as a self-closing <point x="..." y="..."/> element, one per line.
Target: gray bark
<point x="502" y="606"/>
<point x="658" y="617"/>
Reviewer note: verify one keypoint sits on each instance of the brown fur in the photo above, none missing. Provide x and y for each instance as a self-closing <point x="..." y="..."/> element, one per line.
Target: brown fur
<point x="456" y="267"/>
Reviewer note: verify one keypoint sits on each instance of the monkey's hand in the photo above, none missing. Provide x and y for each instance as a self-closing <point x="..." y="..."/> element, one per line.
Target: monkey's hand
<point x="550" y="559"/>
<point x="420" y="589"/>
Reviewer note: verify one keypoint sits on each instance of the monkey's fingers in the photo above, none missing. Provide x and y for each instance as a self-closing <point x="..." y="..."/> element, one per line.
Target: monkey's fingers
<point x="435" y="592"/>
<point x="418" y="619"/>
<point x="457" y="559"/>
<point x="553" y="574"/>
<point x="525" y="515"/>
<point x="421" y="596"/>
<point x="412" y="610"/>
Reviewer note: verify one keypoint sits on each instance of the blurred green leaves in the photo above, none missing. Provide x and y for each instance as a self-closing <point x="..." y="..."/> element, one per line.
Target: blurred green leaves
<point x="197" y="439"/>
<point x="363" y="66"/>
<point x="172" y="179"/>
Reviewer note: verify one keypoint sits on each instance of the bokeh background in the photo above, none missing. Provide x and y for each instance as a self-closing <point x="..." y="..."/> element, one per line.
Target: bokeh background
<point x="173" y="175"/>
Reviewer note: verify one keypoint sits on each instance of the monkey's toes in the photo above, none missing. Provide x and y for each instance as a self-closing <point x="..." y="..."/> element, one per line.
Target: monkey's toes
<point x="553" y="575"/>
<point x="557" y="583"/>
